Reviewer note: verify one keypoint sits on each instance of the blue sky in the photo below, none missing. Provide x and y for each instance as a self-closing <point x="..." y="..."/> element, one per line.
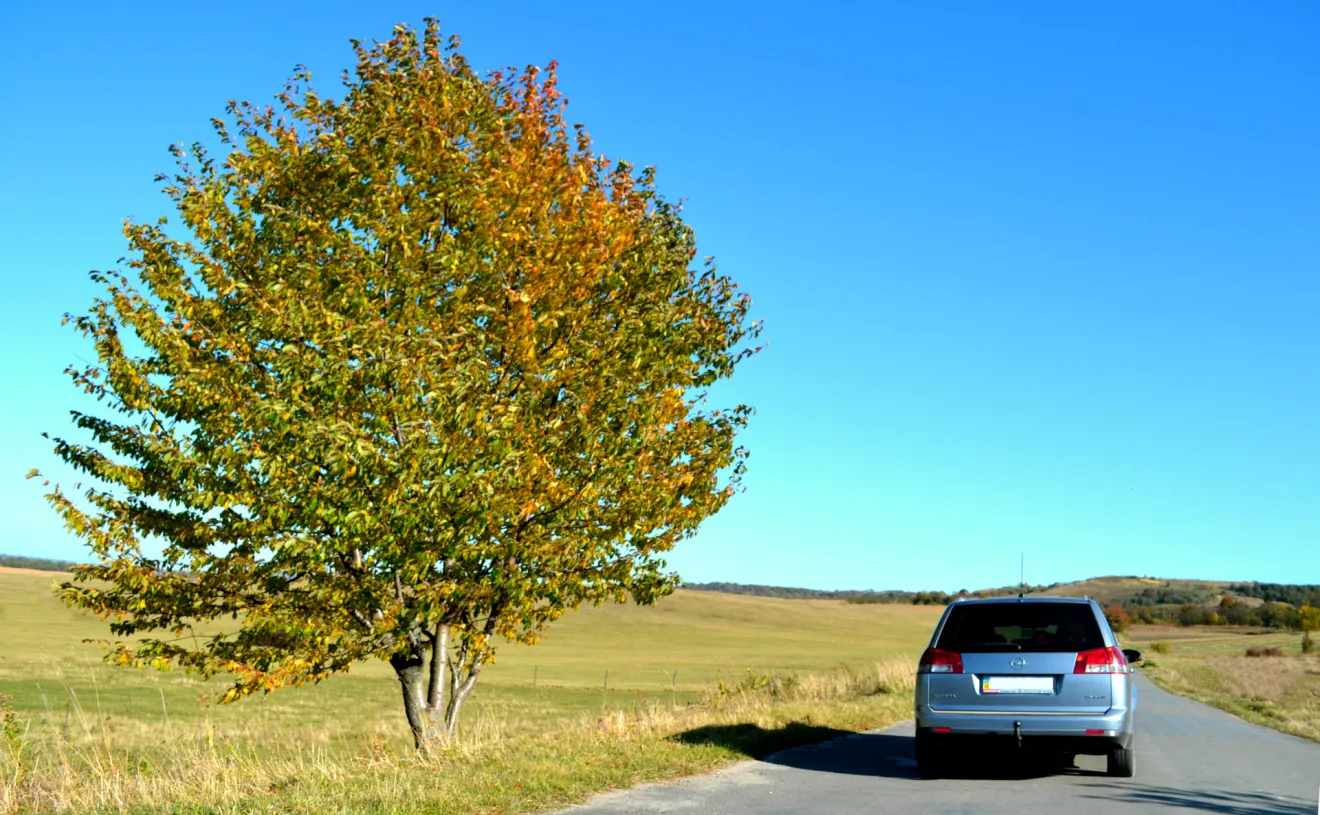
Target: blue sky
<point x="1036" y="279"/>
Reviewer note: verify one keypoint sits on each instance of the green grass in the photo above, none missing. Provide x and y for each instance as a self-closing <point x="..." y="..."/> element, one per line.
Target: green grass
<point x="98" y="735"/>
<point x="703" y="636"/>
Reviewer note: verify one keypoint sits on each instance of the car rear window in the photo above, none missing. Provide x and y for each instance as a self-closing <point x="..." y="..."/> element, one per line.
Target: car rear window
<point x="1027" y="627"/>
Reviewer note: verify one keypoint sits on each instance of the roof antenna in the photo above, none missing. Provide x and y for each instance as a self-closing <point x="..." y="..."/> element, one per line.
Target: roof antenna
<point x="1022" y="575"/>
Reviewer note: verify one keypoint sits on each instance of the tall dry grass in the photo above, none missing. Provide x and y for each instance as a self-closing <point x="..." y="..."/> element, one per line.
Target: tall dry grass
<point x="887" y="676"/>
<point x="1269" y="680"/>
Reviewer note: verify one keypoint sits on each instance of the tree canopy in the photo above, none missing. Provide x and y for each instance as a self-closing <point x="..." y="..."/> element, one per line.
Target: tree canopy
<point x="423" y="373"/>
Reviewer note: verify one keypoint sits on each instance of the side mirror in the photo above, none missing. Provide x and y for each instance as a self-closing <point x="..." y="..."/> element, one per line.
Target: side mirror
<point x="1131" y="655"/>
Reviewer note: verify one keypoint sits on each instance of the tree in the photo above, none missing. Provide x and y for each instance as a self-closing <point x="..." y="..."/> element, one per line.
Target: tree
<point x="1308" y="620"/>
<point x="426" y="373"/>
<point x="1192" y="614"/>
<point x="1117" y="617"/>
<point x="1278" y="615"/>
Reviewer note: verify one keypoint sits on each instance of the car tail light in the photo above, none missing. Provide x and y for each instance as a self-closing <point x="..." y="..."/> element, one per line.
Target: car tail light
<point x="1101" y="661"/>
<point x="936" y="661"/>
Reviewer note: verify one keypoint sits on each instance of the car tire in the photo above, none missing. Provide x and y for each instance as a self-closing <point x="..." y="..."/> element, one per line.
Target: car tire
<point x="1122" y="762"/>
<point x="929" y="764"/>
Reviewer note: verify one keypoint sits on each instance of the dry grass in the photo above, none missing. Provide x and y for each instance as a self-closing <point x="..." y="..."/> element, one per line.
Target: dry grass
<point x="1190" y="634"/>
<point x="1272" y="680"/>
<point x="1282" y="693"/>
<point x="82" y="770"/>
<point x="888" y="676"/>
<point x="1208" y="640"/>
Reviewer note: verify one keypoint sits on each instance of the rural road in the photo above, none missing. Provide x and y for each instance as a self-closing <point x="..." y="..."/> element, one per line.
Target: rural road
<point x="1189" y="756"/>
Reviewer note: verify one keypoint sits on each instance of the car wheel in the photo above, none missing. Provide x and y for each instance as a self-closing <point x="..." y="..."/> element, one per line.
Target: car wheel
<point x="1122" y="762"/>
<point x="928" y="756"/>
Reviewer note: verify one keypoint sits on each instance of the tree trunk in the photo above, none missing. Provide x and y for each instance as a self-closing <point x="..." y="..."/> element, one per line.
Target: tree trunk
<point x="432" y="708"/>
<point x="409" y="666"/>
<point x="439" y="654"/>
<point x="459" y="695"/>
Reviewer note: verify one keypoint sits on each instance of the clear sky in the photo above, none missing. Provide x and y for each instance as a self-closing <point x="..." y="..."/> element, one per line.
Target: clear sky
<point x="1037" y="278"/>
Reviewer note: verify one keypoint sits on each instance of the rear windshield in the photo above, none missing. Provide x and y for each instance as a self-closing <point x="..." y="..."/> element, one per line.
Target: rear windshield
<point x="1027" y="627"/>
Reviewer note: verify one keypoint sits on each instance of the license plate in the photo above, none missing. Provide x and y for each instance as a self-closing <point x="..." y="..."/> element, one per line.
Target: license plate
<point x="1017" y="684"/>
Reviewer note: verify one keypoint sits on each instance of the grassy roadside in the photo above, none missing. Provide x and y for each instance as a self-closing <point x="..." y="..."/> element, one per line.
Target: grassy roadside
<point x="616" y="695"/>
<point x="527" y="773"/>
<point x="1210" y="665"/>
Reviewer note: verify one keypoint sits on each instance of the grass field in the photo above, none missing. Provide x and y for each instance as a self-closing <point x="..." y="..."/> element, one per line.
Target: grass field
<point x="1209" y="664"/>
<point x="1200" y="639"/>
<point x="97" y="736"/>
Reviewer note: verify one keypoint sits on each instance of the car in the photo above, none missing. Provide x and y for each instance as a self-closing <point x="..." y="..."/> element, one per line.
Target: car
<point x="1040" y="674"/>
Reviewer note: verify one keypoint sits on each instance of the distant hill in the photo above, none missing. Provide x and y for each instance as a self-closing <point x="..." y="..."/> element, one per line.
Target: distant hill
<point x="41" y="564"/>
<point x="1147" y="599"/>
<point x="1152" y="591"/>
<point x="1114" y="589"/>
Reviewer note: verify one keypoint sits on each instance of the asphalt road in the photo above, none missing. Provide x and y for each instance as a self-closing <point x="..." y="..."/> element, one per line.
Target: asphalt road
<point x="1189" y="756"/>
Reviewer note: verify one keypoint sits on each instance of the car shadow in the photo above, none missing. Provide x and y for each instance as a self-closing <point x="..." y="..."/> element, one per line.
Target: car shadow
<point x="887" y="755"/>
<point x="890" y="755"/>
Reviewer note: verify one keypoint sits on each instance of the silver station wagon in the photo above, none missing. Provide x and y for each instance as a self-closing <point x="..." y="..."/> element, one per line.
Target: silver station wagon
<point x="1026" y="673"/>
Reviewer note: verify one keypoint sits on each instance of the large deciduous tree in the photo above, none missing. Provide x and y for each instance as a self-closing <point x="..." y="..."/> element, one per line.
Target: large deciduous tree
<point x="424" y="373"/>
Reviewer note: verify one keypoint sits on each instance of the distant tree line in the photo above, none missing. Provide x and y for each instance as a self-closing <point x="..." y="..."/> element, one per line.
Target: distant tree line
<point x="917" y="598"/>
<point x="941" y="598"/>
<point x="1294" y="595"/>
<point x="1171" y="596"/>
<point x="1229" y="611"/>
<point x="39" y="563"/>
<point x="790" y="593"/>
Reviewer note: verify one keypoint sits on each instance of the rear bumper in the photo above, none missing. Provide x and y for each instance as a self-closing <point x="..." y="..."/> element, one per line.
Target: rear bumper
<point x="1115" y="727"/>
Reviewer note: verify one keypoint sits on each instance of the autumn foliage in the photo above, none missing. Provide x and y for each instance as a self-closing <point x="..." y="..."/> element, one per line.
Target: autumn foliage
<point x="426" y="372"/>
<point x="1117" y="617"/>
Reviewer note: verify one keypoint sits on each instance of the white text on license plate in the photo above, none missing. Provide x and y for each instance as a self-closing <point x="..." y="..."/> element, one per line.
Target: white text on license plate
<point x="1017" y="684"/>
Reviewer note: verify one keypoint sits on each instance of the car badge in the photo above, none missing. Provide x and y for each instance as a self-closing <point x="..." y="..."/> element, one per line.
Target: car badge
<point x="1017" y="663"/>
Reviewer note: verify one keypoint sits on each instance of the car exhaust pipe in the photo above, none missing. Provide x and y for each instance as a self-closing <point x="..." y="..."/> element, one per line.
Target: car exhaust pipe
<point x="1017" y="734"/>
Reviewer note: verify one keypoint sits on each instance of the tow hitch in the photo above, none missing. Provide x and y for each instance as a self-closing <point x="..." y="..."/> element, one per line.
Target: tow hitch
<point x="1017" y="734"/>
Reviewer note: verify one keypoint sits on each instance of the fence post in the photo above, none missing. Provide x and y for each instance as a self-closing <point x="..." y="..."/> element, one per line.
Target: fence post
<point x="673" y="690"/>
<point x="535" y="668"/>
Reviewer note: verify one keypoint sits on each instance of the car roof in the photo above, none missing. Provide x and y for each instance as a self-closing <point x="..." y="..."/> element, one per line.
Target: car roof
<point x="1027" y="599"/>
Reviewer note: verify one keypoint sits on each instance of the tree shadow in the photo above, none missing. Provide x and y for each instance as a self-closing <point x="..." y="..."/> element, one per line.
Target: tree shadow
<point x="1220" y="801"/>
<point x="758" y="742"/>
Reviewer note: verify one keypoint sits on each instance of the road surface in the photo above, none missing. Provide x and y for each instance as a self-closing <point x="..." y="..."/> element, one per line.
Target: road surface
<point x="1189" y="756"/>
